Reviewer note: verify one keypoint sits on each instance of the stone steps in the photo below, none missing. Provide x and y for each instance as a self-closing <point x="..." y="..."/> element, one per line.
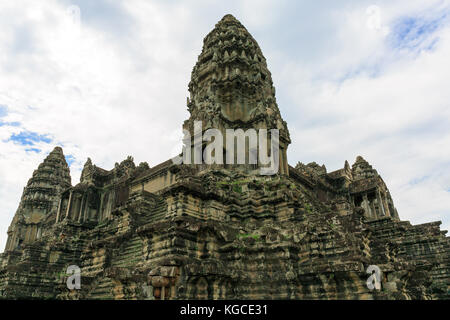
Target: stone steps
<point x="158" y="213"/>
<point x="103" y="289"/>
<point x="130" y="254"/>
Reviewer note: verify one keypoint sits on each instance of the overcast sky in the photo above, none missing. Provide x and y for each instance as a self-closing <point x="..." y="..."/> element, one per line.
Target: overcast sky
<point x="352" y="78"/>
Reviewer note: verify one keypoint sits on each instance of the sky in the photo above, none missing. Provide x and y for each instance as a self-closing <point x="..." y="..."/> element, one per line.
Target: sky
<point x="107" y="79"/>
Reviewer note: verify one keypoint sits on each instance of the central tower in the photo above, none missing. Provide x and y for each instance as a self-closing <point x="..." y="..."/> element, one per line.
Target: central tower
<point x="231" y="87"/>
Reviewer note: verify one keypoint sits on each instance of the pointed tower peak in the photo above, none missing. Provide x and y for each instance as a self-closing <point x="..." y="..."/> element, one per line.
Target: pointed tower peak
<point x="55" y="156"/>
<point x="40" y="197"/>
<point x="56" y="152"/>
<point x="87" y="172"/>
<point x="227" y="21"/>
<point x="346" y="165"/>
<point x="231" y="80"/>
<point x="229" y="17"/>
<point x="360" y="159"/>
<point x="53" y="173"/>
<point x="362" y="169"/>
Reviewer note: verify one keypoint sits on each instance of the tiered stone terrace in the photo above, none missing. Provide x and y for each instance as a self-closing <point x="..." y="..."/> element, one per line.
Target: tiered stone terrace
<point x="219" y="231"/>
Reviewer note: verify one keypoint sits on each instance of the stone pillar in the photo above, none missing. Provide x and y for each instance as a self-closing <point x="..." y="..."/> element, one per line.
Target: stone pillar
<point x="163" y="293"/>
<point x="14" y="242"/>
<point x="27" y="233"/>
<point x="386" y="206"/>
<point x="69" y="204"/>
<point x="285" y="163"/>
<point x="86" y="209"/>
<point x="380" y="203"/>
<point x="111" y="198"/>
<point x="100" y="208"/>
<point x="8" y="243"/>
<point x="58" y="212"/>
<point x="76" y="204"/>
<point x="80" y="213"/>
<point x="366" y="206"/>
<point x="372" y="208"/>
<point x="33" y="232"/>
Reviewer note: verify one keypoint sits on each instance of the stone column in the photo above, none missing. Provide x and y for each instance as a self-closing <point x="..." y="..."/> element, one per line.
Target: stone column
<point x="386" y="206"/>
<point x="8" y="243"/>
<point x="33" y="232"/>
<point x="285" y="163"/>
<point x="380" y="203"/>
<point x="14" y="242"/>
<point x="76" y="207"/>
<point x="372" y="207"/>
<point x="366" y="206"/>
<point x="69" y="204"/>
<point x="58" y="212"/>
<point x="100" y="208"/>
<point x="86" y="209"/>
<point x="27" y="234"/>
<point x="111" y="198"/>
<point x="80" y="213"/>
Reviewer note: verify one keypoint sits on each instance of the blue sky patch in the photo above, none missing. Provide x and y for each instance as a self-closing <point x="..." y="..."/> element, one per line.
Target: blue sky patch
<point x="12" y="124"/>
<point x="418" y="180"/>
<point x="417" y="32"/>
<point x="70" y="159"/>
<point x="28" y="138"/>
<point x="3" y="110"/>
<point x="33" y="150"/>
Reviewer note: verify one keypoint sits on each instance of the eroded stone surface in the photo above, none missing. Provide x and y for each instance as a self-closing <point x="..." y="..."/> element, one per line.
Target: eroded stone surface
<point x="219" y="232"/>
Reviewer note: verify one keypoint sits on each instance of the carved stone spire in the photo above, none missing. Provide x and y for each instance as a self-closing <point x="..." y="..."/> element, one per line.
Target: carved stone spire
<point x="88" y="171"/>
<point x="39" y="198"/>
<point x="231" y="86"/>
<point x="231" y="79"/>
<point x="50" y="178"/>
<point x="361" y="169"/>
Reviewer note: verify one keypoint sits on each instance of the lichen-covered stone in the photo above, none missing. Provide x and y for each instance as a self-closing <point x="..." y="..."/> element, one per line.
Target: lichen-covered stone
<point x="220" y="231"/>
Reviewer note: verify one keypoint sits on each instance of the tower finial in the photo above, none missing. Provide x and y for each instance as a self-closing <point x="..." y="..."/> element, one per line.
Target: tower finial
<point x="229" y="17"/>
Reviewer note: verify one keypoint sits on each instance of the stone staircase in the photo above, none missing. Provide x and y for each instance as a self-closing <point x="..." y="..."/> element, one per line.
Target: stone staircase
<point x="130" y="253"/>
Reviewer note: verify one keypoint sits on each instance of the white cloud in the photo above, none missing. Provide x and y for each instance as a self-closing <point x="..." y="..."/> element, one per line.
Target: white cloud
<point x="397" y="117"/>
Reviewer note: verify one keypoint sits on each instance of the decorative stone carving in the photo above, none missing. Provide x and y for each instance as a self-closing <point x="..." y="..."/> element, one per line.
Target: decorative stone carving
<point x="205" y="232"/>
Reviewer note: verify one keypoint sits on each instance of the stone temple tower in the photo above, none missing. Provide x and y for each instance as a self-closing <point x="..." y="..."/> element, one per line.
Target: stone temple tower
<point x="220" y="231"/>
<point x="231" y="87"/>
<point x="40" y="200"/>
